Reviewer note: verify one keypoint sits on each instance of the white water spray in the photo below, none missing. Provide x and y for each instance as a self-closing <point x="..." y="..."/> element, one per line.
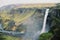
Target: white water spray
<point x="44" y="23"/>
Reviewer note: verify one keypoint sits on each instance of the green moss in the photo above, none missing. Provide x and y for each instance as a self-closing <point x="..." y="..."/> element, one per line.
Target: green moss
<point x="45" y="36"/>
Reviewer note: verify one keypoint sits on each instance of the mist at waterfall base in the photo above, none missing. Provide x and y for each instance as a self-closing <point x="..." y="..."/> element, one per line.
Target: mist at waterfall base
<point x="35" y="27"/>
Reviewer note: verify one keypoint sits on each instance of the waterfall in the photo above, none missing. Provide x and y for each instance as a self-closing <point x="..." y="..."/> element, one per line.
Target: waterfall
<point x="44" y="23"/>
<point x="36" y="35"/>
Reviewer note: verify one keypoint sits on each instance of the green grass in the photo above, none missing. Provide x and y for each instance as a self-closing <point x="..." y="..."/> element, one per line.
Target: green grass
<point x="11" y="37"/>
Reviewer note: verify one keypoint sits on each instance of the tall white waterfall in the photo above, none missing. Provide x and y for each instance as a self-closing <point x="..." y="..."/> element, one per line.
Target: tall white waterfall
<point x="36" y="35"/>
<point x="44" y="23"/>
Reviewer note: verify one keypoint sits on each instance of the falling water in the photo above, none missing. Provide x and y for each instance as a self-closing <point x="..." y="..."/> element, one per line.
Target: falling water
<point x="44" y="23"/>
<point x="36" y="35"/>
